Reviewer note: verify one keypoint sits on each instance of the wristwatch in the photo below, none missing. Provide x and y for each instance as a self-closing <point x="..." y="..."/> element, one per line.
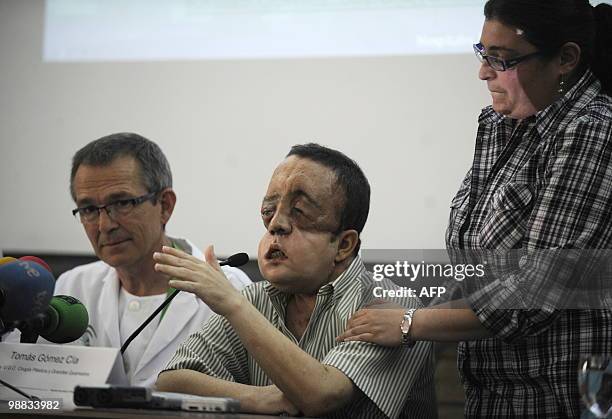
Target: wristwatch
<point x="405" y="327"/>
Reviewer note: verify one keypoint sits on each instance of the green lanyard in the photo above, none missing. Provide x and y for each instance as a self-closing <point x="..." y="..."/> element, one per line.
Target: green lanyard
<point x="169" y="292"/>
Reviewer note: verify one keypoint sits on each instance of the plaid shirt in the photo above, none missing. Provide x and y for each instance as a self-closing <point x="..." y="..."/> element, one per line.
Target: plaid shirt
<point x="541" y="183"/>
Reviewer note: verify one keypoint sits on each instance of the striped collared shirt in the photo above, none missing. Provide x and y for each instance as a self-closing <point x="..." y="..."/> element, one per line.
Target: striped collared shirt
<point x="541" y="183"/>
<point x="393" y="382"/>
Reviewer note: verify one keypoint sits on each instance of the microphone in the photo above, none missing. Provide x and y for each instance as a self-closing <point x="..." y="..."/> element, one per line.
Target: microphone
<point x="7" y="259"/>
<point x="26" y="289"/>
<point x="37" y="260"/>
<point x="64" y="321"/>
<point x="234" y="260"/>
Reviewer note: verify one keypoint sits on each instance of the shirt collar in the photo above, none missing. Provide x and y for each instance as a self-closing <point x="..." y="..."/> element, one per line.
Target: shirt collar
<point x="340" y="285"/>
<point x="569" y="105"/>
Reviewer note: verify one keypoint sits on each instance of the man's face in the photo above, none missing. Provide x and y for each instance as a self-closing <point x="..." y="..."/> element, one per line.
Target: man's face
<point x="301" y="214"/>
<point x="122" y="241"/>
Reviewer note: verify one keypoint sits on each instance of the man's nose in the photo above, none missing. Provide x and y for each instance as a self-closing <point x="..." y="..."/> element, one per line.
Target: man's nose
<point x="280" y="223"/>
<point x="105" y="221"/>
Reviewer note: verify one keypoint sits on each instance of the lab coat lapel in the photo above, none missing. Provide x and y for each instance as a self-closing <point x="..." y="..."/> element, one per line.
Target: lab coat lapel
<point x="108" y="303"/>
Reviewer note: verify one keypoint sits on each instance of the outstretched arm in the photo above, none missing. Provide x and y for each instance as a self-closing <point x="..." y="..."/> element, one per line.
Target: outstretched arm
<point x="453" y="321"/>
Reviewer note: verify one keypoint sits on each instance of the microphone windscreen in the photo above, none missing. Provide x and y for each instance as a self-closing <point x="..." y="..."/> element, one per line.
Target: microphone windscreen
<point x="26" y="289"/>
<point x="67" y="320"/>
<point x="236" y="260"/>
<point x="37" y="260"/>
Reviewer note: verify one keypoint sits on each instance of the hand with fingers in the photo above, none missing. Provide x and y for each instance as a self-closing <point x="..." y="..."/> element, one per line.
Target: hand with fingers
<point x="377" y="323"/>
<point x="202" y="278"/>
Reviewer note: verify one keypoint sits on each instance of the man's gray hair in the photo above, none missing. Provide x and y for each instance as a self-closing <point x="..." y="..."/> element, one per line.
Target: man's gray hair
<point x="154" y="167"/>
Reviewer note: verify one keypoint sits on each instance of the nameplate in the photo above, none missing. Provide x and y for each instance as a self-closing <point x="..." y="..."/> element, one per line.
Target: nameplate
<point x="52" y="371"/>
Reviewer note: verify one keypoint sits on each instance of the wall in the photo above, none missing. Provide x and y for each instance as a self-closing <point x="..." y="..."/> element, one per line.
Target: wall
<point x="224" y="125"/>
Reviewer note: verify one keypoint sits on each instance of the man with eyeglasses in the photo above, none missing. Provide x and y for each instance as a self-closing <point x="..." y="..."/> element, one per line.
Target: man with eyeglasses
<point x="122" y="186"/>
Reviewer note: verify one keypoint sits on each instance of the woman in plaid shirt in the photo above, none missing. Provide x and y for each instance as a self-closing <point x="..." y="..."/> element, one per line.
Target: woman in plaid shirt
<point x="541" y="179"/>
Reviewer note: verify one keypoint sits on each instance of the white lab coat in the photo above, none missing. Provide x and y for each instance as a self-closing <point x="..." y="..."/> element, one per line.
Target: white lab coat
<point x="96" y="285"/>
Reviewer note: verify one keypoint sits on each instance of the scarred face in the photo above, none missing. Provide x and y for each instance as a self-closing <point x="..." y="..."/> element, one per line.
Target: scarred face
<point x="300" y="212"/>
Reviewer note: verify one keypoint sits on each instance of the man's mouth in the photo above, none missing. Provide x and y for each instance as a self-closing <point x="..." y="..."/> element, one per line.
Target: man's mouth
<point x="275" y="253"/>
<point x="114" y="243"/>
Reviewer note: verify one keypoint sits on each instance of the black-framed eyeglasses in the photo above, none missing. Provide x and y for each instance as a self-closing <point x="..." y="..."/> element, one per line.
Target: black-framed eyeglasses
<point x="498" y="64"/>
<point x="118" y="208"/>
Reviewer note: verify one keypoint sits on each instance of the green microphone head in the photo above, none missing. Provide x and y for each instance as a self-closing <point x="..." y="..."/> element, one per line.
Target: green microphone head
<point x="67" y="320"/>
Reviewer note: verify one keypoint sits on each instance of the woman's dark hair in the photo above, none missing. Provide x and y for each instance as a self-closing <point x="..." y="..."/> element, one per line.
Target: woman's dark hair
<point x="549" y="24"/>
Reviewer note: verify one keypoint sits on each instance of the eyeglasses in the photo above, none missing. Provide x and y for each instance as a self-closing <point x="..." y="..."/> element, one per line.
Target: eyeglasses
<point x="498" y="64"/>
<point x="118" y="208"/>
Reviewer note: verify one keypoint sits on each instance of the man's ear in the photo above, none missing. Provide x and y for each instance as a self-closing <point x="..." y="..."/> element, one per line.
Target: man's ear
<point x="569" y="57"/>
<point x="167" y="200"/>
<point x="348" y="241"/>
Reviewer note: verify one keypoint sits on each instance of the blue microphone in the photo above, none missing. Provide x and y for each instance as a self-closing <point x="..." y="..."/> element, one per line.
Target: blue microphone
<point x="26" y="288"/>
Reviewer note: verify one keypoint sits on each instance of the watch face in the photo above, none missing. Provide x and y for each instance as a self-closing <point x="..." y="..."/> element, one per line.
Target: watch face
<point x="405" y="326"/>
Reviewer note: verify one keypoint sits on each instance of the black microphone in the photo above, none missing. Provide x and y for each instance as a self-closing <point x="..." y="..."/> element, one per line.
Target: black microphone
<point x="64" y="321"/>
<point x="235" y="260"/>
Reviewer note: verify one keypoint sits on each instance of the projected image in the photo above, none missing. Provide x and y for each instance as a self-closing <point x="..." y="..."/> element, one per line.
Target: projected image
<point x="142" y="30"/>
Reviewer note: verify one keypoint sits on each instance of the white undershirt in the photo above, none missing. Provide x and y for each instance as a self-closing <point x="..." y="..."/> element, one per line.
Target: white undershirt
<point x="133" y="311"/>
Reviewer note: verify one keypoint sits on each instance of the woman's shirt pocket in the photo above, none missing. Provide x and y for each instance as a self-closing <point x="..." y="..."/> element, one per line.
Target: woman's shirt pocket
<point x="507" y="218"/>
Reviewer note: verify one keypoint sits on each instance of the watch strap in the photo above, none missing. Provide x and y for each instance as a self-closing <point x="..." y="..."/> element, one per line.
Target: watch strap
<point x="405" y="327"/>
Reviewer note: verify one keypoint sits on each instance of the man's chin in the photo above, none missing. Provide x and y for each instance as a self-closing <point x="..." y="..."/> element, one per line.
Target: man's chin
<point x="279" y="277"/>
<point x="273" y="275"/>
<point x="289" y="283"/>
<point x="115" y="259"/>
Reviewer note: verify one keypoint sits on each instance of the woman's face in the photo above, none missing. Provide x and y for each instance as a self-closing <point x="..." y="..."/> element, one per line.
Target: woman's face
<point x="524" y="89"/>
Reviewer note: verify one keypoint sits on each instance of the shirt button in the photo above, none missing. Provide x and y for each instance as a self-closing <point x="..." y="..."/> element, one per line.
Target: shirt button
<point x="134" y="305"/>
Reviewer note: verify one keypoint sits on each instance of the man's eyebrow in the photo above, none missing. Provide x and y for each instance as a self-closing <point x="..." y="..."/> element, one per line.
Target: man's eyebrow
<point x="119" y="195"/>
<point x="269" y="199"/>
<point x="297" y="193"/>
<point x="112" y="197"/>
<point x="84" y="202"/>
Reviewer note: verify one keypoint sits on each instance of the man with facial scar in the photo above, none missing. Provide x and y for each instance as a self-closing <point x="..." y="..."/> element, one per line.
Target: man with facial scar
<point x="274" y="346"/>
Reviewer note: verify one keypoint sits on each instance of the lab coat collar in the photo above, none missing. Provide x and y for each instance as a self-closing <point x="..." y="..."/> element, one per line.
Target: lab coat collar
<point x="108" y="303"/>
